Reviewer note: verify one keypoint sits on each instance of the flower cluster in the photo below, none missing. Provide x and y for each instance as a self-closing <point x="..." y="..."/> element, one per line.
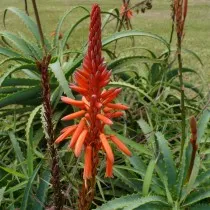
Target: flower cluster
<point x="180" y="8"/>
<point x="126" y="12"/>
<point x="96" y="105"/>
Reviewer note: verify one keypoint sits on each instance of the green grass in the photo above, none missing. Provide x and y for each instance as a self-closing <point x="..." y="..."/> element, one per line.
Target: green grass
<point x="157" y="21"/>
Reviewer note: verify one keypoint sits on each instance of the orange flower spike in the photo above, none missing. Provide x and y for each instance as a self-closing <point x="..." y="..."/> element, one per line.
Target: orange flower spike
<point x="109" y="168"/>
<point x="96" y="107"/>
<point x="80" y="142"/>
<point x="120" y="145"/>
<point x="74" y="115"/>
<point x="107" y="147"/>
<point x="66" y="134"/>
<point x="77" y="132"/>
<point x="87" y="174"/>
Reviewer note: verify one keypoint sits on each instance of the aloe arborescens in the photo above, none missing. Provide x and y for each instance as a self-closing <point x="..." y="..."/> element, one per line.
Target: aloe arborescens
<point x="96" y="111"/>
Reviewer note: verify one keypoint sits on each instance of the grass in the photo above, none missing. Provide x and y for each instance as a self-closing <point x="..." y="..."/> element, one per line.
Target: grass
<point x="157" y="21"/>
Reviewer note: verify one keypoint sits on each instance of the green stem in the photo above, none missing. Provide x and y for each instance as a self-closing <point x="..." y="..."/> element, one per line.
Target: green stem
<point x="26" y="7"/>
<point x="39" y="26"/>
<point x="182" y="94"/>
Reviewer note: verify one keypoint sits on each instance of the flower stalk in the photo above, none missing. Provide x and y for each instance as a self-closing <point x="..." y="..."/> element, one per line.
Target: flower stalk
<point x="96" y="111"/>
<point x="49" y="131"/>
<point x="42" y="66"/>
<point x="180" y="9"/>
<point x="193" y="141"/>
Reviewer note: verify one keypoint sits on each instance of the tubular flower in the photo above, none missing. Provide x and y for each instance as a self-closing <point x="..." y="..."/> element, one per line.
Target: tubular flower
<point x="96" y="106"/>
<point x="125" y="11"/>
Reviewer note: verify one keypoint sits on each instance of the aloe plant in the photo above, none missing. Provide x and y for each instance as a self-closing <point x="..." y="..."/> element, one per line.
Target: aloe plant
<point x="163" y="184"/>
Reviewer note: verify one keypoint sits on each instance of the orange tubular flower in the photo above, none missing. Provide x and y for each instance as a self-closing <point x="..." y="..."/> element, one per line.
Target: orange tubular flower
<point x="125" y="11"/>
<point x="97" y="106"/>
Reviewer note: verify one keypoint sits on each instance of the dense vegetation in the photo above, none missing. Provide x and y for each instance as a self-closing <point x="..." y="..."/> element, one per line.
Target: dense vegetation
<point x="163" y="122"/>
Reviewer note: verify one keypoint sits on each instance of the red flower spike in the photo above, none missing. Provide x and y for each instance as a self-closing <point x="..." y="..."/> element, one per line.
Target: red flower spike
<point x="97" y="106"/>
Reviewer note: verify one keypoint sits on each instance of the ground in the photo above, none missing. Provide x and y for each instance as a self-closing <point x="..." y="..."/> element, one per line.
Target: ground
<point x="157" y="21"/>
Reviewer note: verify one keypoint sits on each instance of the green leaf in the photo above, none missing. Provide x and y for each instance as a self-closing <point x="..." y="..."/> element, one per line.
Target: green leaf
<point x="42" y="189"/>
<point x="29" y="125"/>
<point x="202" y="124"/>
<point x="201" y="207"/>
<point x="16" y="68"/>
<point x="8" y="52"/>
<point x="138" y="164"/>
<point x="130" y="33"/>
<point x="60" y="23"/>
<point x="22" y="97"/>
<point x="128" y="178"/>
<point x="18" y="152"/>
<point x="170" y="169"/>
<point x="148" y="177"/>
<point x="202" y="178"/>
<point x="26" y="19"/>
<point x="194" y="174"/>
<point x="184" y="165"/>
<point x="59" y="74"/>
<point x="13" y="172"/>
<point x="148" y="131"/>
<point x="16" y="59"/>
<point x="69" y="32"/>
<point x="27" y="191"/>
<point x="16" y="187"/>
<point x="196" y="196"/>
<point x="119" y="65"/>
<point x="29" y="139"/>
<point x="20" y="82"/>
<point x="27" y="48"/>
<point x="131" y="202"/>
<point x="128" y="85"/>
<point x="175" y="72"/>
<point x="195" y="55"/>
<point x="2" y="190"/>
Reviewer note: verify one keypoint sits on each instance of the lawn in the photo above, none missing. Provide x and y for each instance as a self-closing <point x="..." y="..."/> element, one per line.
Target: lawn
<point x="157" y="21"/>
